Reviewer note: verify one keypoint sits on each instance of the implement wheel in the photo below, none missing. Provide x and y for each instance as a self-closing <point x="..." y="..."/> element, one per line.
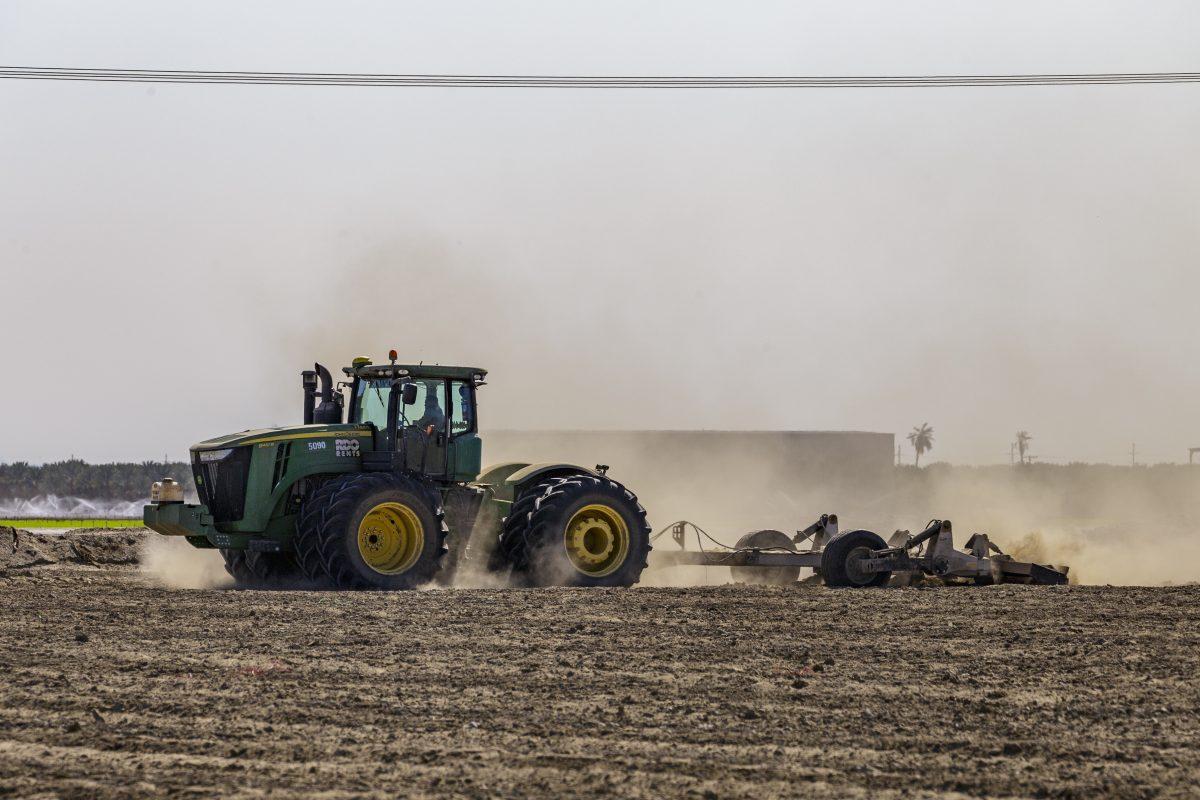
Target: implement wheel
<point x="841" y="561"/>
<point x="582" y="530"/>
<point x="372" y="531"/>
<point x="771" y="541"/>
<point x="254" y="570"/>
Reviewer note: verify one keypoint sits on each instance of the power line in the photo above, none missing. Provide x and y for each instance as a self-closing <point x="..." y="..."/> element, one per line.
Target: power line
<point x="584" y="81"/>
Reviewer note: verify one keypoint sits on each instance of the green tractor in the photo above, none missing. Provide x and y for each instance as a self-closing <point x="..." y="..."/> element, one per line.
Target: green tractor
<point x="389" y="494"/>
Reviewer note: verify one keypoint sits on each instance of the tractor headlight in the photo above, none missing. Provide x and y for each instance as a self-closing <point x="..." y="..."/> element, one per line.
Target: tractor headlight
<point x="208" y="456"/>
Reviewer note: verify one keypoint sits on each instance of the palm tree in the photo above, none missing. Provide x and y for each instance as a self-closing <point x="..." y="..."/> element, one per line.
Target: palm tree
<point x="1023" y="440"/>
<point x="921" y="439"/>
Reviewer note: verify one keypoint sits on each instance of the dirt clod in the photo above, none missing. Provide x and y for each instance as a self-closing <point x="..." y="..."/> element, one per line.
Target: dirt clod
<point x="22" y="550"/>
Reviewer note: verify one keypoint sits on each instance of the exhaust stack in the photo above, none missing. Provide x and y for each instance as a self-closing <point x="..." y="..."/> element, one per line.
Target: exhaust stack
<point x="329" y="411"/>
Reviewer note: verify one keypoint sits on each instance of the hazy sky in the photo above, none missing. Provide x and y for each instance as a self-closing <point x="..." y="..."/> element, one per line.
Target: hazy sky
<point x="981" y="259"/>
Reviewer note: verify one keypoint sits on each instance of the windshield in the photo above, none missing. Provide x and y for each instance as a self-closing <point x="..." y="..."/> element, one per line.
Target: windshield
<point x="427" y="412"/>
<point x="372" y="402"/>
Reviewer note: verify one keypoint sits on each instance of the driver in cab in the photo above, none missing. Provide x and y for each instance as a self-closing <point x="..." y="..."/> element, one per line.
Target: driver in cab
<point x="434" y="419"/>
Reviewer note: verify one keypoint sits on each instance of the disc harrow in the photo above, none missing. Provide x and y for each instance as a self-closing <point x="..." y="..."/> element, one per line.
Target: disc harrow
<point x="860" y="558"/>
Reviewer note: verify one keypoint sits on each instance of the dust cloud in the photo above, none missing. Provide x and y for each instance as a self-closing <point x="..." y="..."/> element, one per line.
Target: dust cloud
<point x="1110" y="525"/>
<point x="438" y="310"/>
<point x="470" y="554"/>
<point x="728" y="483"/>
<point x="583" y="366"/>
<point x="173" y="563"/>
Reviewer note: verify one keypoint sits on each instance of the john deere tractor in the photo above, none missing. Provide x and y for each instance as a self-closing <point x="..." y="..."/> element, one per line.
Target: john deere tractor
<point x="381" y="488"/>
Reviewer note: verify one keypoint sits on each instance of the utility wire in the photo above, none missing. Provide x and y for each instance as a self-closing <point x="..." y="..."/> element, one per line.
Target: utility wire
<point x="583" y="81"/>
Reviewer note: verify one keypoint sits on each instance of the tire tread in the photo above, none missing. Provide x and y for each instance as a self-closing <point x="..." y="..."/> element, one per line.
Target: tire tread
<point x="534" y="516"/>
<point x="325" y="516"/>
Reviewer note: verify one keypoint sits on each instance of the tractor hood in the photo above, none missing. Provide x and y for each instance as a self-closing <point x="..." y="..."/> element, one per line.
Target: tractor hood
<point x="263" y="435"/>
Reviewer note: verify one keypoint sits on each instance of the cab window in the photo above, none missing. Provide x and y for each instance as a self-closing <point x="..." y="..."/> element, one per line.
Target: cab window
<point x="373" y="402"/>
<point x="429" y="412"/>
<point x="462" y="420"/>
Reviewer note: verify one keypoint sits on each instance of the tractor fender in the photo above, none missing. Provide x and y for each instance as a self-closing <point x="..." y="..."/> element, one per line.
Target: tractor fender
<point x="496" y="474"/>
<point x="510" y="479"/>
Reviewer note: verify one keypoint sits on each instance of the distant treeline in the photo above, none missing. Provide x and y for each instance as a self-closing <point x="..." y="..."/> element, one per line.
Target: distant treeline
<point x="76" y="478"/>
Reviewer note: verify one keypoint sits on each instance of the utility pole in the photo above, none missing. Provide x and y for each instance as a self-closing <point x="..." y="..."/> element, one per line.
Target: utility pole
<point x="1012" y="453"/>
<point x="897" y="455"/>
<point x="1133" y="454"/>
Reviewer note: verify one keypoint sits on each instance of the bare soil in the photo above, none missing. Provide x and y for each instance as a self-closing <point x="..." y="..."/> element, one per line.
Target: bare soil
<point x="113" y="687"/>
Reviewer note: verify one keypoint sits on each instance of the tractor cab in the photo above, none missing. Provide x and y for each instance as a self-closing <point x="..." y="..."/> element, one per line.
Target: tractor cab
<point x="424" y="417"/>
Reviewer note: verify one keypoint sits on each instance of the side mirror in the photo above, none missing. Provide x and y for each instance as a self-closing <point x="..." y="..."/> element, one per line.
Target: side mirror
<point x="409" y="394"/>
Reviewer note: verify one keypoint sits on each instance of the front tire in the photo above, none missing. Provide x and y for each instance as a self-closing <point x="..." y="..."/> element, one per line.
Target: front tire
<point x="581" y="530"/>
<point x="372" y="531"/>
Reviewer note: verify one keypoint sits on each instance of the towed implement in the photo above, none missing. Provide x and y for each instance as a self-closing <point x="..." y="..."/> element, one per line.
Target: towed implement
<point x="861" y="558"/>
<point x="381" y="488"/>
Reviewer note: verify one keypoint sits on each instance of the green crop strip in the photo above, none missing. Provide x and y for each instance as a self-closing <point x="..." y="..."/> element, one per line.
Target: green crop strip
<point x="47" y="522"/>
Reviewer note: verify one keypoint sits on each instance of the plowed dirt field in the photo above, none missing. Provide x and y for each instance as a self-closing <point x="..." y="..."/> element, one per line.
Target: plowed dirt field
<point x="112" y="686"/>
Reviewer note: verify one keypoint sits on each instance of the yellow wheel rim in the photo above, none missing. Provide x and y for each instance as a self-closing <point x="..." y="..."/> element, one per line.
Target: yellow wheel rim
<point x="390" y="538"/>
<point x="597" y="540"/>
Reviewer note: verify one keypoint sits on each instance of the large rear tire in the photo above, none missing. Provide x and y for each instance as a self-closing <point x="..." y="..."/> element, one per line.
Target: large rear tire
<point x="372" y="531"/>
<point x="509" y="552"/>
<point x="772" y="541"/>
<point x="254" y="570"/>
<point x="581" y="530"/>
<point x="843" y="553"/>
